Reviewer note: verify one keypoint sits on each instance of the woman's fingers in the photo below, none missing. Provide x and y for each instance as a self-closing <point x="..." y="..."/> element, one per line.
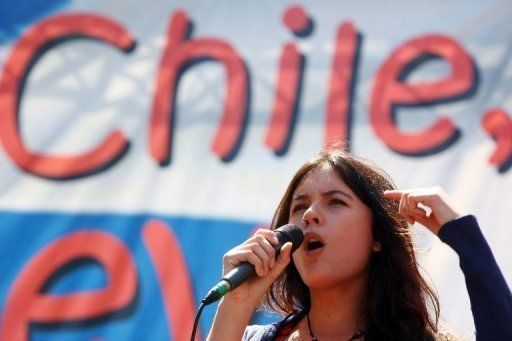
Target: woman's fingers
<point x="269" y="250"/>
<point x="420" y="215"/>
<point x="257" y="250"/>
<point x="412" y="209"/>
<point x="408" y="206"/>
<point x="394" y="194"/>
<point x="235" y="257"/>
<point x="269" y="235"/>
<point x="283" y="259"/>
<point x="428" y="196"/>
<point x="418" y="211"/>
<point x="442" y="211"/>
<point x="262" y="255"/>
<point x="403" y="209"/>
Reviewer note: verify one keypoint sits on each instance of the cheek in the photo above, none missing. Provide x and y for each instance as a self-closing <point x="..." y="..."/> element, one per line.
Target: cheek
<point x="358" y="239"/>
<point x="357" y="256"/>
<point x="297" y="257"/>
<point x="359" y="246"/>
<point x="295" y="219"/>
<point x="353" y="245"/>
<point x="299" y="261"/>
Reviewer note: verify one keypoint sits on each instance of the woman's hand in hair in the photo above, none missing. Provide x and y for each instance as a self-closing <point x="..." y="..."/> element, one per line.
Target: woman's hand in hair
<point x="430" y="206"/>
<point x="259" y="251"/>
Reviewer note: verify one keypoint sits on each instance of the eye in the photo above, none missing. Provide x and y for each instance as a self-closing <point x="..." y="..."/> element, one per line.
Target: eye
<point x="335" y="201"/>
<point x="299" y="207"/>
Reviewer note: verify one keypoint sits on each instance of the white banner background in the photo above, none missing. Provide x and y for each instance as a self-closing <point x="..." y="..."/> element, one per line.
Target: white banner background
<point x="81" y="90"/>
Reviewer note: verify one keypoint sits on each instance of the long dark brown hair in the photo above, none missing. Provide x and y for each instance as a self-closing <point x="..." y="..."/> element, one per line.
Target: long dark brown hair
<point x="401" y="304"/>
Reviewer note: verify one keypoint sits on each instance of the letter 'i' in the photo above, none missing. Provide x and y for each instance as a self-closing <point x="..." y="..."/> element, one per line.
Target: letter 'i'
<point x="288" y="83"/>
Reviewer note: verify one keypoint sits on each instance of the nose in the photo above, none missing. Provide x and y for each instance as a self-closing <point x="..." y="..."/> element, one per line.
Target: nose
<point x="312" y="216"/>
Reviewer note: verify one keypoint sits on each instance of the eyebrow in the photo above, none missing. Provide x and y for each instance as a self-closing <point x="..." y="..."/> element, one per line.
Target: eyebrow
<point x="328" y="193"/>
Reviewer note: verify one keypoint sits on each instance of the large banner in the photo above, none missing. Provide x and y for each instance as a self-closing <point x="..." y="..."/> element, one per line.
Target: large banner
<point x="140" y="140"/>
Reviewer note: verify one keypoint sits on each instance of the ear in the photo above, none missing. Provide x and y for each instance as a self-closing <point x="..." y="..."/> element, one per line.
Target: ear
<point x="376" y="247"/>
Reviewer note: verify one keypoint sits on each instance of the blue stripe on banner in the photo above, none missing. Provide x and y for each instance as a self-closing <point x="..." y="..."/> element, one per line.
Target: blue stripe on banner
<point x="203" y="242"/>
<point x="15" y="15"/>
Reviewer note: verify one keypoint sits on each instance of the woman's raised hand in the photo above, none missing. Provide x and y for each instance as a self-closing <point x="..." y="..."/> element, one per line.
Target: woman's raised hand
<point x="259" y="251"/>
<point x="236" y="308"/>
<point x="434" y="198"/>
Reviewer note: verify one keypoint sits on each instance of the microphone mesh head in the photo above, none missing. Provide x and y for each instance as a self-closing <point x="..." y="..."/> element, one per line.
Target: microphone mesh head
<point x="290" y="233"/>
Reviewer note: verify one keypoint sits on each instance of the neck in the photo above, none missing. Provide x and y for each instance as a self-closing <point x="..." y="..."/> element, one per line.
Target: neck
<point x="336" y="313"/>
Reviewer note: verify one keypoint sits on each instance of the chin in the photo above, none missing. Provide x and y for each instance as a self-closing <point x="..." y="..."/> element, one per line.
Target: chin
<point x="320" y="281"/>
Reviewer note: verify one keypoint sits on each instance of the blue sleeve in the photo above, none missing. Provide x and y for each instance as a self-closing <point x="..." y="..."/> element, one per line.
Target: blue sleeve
<point x="491" y="300"/>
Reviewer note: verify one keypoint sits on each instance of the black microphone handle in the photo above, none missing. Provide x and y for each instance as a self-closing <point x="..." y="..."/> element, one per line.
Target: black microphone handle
<point x="289" y="233"/>
<point x="245" y="270"/>
<point x="239" y="274"/>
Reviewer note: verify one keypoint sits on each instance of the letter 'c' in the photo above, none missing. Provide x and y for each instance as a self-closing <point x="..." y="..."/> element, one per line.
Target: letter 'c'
<point x="24" y="53"/>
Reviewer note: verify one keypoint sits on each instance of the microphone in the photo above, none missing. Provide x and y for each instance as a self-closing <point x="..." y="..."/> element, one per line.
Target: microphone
<point x="286" y="233"/>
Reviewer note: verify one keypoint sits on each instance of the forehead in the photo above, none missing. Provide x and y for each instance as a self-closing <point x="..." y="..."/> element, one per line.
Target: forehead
<point x="322" y="179"/>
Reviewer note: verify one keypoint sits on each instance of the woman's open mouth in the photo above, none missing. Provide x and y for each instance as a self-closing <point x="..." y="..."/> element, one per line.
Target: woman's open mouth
<point x="313" y="243"/>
